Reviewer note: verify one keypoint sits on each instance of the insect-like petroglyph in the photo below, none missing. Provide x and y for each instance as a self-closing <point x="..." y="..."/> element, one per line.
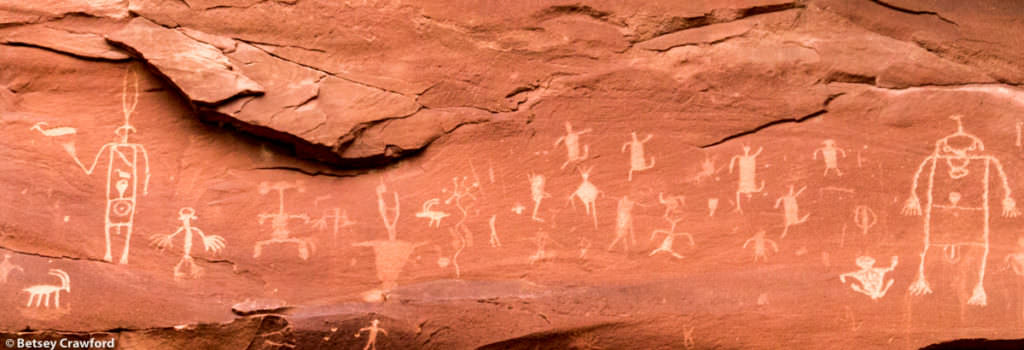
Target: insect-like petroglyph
<point x="495" y="241"/>
<point x="829" y="152"/>
<point x="435" y="216"/>
<point x="41" y="293"/>
<point x="390" y="255"/>
<point x="372" y="331"/>
<point x="460" y="192"/>
<point x="279" y="221"/>
<point x="791" y="210"/>
<point x="759" y="245"/>
<point x="748" y="174"/>
<point x="537" y="193"/>
<point x="636" y="154"/>
<point x="864" y="218"/>
<point x="712" y="206"/>
<point x="572" y="145"/>
<point x="212" y="243"/>
<point x="624" y="224"/>
<point x="673" y="214"/>
<point x="6" y="267"/>
<point x="1016" y="260"/>
<point x="339" y="219"/>
<point x="122" y="170"/>
<point x="871" y="278"/>
<point x="962" y="220"/>
<point x="587" y="193"/>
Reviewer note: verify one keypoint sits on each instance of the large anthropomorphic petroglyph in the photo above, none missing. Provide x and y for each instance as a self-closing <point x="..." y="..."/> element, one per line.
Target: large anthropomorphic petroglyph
<point x="636" y="155"/>
<point x="391" y="254"/>
<point x="956" y="209"/>
<point x="748" y="174"/>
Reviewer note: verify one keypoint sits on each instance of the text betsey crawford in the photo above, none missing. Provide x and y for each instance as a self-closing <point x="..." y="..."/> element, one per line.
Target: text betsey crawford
<point x="62" y="343"/>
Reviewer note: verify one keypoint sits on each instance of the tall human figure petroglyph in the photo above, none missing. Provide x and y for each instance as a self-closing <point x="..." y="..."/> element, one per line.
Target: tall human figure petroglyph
<point x="791" y="210"/>
<point x="572" y="145"/>
<point x="748" y="173"/>
<point x="636" y="154"/>
<point x="211" y="243"/>
<point x="392" y="254"/>
<point x="957" y="206"/>
<point x="624" y="224"/>
<point x="122" y="169"/>
<point x="280" y="233"/>
<point x="537" y="193"/>
<point x="830" y="153"/>
<point x="587" y="193"/>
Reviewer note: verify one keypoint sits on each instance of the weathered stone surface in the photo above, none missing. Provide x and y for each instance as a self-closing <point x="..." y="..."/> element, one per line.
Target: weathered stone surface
<point x="198" y="69"/>
<point x="498" y="175"/>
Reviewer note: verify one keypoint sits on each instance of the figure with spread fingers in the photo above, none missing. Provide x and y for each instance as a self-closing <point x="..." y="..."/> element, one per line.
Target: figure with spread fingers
<point x="212" y="243"/>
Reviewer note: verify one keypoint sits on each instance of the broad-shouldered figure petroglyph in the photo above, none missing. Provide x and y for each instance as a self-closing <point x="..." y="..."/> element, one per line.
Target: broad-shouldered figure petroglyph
<point x="747" y="184"/>
<point x="371" y="337"/>
<point x="864" y="218"/>
<point x="390" y="255"/>
<point x="791" y="210"/>
<point x="211" y="243"/>
<point x="956" y="209"/>
<point x="537" y="193"/>
<point x="279" y="221"/>
<point x="41" y="293"/>
<point x="624" y="224"/>
<point x="636" y="154"/>
<point x="760" y="245"/>
<point x="122" y="170"/>
<point x="428" y="212"/>
<point x="572" y="145"/>
<point x="830" y="153"/>
<point x="6" y="267"/>
<point x="461" y="191"/>
<point x="587" y="193"/>
<point x="871" y="278"/>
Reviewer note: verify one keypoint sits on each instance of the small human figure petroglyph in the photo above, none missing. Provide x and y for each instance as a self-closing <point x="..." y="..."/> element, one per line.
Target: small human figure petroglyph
<point x="537" y="193"/>
<point x="212" y="243"/>
<point x="1013" y="260"/>
<point x="572" y="145"/>
<point x="435" y="216"/>
<point x="712" y="206"/>
<point x="636" y="154"/>
<point x="461" y="191"/>
<point x="122" y="170"/>
<point x="954" y="158"/>
<point x="673" y="214"/>
<point x="495" y="241"/>
<point x="829" y="152"/>
<point x="864" y="218"/>
<point x="759" y="245"/>
<point x="624" y="224"/>
<point x="587" y="193"/>
<point x="791" y="210"/>
<point x="280" y="233"/>
<point x="871" y="278"/>
<point x="41" y="293"/>
<point x="372" y="331"/>
<point x="748" y="173"/>
<point x="6" y="267"/>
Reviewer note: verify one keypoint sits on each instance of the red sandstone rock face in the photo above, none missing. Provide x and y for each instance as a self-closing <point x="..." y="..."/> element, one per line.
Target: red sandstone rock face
<point x="710" y="174"/>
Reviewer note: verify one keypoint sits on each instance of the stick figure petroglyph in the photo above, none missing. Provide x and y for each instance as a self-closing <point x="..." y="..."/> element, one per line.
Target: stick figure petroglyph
<point x="6" y="267"/>
<point x="391" y="255"/>
<point x="428" y="212"/>
<point x="864" y="218"/>
<point x="41" y="293"/>
<point x="624" y="224"/>
<point x="748" y="173"/>
<point x="279" y="221"/>
<point x="829" y="152"/>
<point x="673" y="214"/>
<point x="572" y="145"/>
<point x="537" y="193"/>
<point x="587" y="193"/>
<point x="791" y="209"/>
<point x="871" y="278"/>
<point x="461" y="191"/>
<point x="495" y="241"/>
<point x="212" y="243"/>
<point x="636" y="154"/>
<point x="122" y="171"/>
<point x="962" y="220"/>
<point x="372" y="331"/>
<point x="759" y="245"/>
